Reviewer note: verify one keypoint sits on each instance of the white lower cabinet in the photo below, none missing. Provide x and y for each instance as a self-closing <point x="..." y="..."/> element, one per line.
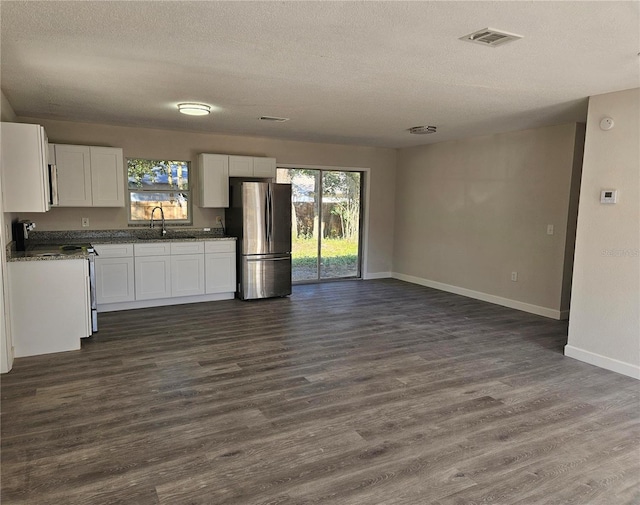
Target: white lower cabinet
<point x="220" y="266"/>
<point x="164" y="273"/>
<point x="220" y="271"/>
<point x="114" y="273"/>
<point x="50" y="305"/>
<point x="114" y="280"/>
<point x="152" y="277"/>
<point x="187" y="275"/>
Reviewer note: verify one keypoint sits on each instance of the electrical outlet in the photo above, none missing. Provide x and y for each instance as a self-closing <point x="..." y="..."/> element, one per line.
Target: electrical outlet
<point x="549" y="229"/>
<point x="514" y="276"/>
<point x="218" y="219"/>
<point x="85" y="222"/>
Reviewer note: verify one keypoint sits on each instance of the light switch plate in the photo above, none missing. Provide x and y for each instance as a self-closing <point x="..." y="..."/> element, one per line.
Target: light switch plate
<point x="549" y="229"/>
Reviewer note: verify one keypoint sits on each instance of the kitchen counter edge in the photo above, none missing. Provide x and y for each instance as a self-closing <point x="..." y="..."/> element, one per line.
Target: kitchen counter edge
<point x="35" y="256"/>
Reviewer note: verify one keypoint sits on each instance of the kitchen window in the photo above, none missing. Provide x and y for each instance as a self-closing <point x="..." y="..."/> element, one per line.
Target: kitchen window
<point x="159" y="183"/>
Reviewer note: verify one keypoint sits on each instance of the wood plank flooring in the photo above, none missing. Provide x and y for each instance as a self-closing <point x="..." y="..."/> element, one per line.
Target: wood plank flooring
<point x="350" y="393"/>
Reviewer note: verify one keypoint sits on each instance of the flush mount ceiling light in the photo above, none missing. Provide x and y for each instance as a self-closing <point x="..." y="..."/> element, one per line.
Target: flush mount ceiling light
<point x="491" y="37"/>
<point x="422" y="130"/>
<point x="194" y="109"/>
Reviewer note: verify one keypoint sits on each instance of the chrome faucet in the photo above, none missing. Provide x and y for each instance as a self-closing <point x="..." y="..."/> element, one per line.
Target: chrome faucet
<point x="164" y="231"/>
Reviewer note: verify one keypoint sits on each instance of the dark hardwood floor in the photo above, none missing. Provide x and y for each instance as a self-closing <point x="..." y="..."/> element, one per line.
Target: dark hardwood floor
<point x="351" y="393"/>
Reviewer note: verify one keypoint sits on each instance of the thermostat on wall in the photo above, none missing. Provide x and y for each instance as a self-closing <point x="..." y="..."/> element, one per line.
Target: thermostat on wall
<point x="609" y="196"/>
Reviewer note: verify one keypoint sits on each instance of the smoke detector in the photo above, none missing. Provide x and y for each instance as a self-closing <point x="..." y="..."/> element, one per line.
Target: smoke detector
<point x="422" y="130"/>
<point x="274" y="119"/>
<point x="491" y="37"/>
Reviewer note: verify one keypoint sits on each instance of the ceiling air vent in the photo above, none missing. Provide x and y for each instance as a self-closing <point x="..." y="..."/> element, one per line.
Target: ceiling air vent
<point x="274" y="118"/>
<point x="422" y="130"/>
<point x="491" y="37"/>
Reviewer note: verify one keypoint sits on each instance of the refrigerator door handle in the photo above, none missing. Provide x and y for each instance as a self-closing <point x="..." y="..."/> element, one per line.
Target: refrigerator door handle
<point x="266" y="219"/>
<point x="270" y="215"/>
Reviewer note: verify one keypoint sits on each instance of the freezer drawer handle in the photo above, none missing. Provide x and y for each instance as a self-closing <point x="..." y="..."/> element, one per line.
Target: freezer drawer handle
<point x="268" y="259"/>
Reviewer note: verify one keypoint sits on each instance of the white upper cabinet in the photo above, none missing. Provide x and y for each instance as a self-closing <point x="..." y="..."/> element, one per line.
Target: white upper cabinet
<point x="107" y="177"/>
<point x="264" y="167"/>
<point x="240" y="166"/>
<point x="213" y="180"/>
<point x="249" y="166"/>
<point x="90" y="176"/>
<point x="74" y="175"/>
<point x="214" y="171"/>
<point x="25" y="174"/>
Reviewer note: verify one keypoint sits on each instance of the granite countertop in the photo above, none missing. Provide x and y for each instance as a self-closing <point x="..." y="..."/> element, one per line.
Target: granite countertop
<point x="46" y="245"/>
<point x="44" y="253"/>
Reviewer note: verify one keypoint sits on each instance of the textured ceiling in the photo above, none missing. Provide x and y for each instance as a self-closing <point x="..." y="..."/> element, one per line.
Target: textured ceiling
<point x="345" y="72"/>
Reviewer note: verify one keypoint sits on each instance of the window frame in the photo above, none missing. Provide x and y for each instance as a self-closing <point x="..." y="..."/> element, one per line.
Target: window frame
<point x="188" y="192"/>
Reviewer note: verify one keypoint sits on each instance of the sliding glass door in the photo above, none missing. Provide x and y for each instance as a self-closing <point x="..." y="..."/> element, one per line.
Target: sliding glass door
<point x="326" y="223"/>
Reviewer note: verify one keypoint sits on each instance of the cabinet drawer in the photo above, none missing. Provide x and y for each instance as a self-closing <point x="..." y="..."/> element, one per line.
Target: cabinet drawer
<point x="155" y="249"/>
<point x="114" y="250"/>
<point x="187" y="247"/>
<point x="215" y="246"/>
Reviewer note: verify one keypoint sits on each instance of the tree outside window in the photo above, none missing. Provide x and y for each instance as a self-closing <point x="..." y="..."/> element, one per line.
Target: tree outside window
<point x="159" y="183"/>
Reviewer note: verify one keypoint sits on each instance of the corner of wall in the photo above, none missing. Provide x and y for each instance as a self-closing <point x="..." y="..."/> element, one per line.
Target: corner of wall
<point x="6" y="110"/>
<point x="572" y="219"/>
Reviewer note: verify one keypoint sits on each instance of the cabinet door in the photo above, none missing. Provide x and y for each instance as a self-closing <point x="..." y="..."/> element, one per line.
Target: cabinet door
<point x="240" y="166"/>
<point x="114" y="280"/>
<point x="153" y="277"/>
<point x="25" y="178"/>
<point x="74" y="175"/>
<point x="264" y="167"/>
<point x="107" y="177"/>
<point x="220" y="270"/>
<point x="187" y="275"/>
<point x="213" y="179"/>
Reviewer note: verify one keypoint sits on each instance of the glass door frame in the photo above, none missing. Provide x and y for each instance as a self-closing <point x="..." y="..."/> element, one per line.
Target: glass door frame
<point x="363" y="231"/>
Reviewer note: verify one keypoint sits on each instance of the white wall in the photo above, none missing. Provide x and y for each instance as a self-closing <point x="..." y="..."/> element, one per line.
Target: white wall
<point x="471" y="212"/>
<point x="604" y="326"/>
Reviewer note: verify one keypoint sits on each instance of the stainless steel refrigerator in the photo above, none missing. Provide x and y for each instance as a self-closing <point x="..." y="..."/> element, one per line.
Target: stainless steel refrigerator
<point x="259" y="215"/>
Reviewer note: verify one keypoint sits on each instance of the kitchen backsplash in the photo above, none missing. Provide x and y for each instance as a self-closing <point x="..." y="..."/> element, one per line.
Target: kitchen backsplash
<point x="133" y="233"/>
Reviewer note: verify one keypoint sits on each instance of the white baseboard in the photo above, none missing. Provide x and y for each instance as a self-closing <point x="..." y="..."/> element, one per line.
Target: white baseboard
<point x="603" y="361"/>
<point x="377" y="275"/>
<point x="564" y="315"/>
<point x="478" y="295"/>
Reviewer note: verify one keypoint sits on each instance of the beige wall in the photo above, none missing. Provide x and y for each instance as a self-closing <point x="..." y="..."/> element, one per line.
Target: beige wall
<point x="155" y="143"/>
<point x="604" y="326"/>
<point x="470" y="212"/>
